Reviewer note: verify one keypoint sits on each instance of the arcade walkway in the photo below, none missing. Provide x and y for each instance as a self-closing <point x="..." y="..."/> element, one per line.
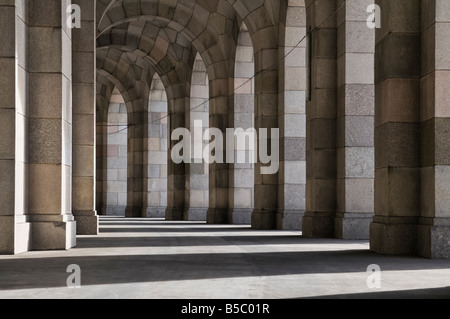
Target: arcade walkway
<point x="135" y="258"/>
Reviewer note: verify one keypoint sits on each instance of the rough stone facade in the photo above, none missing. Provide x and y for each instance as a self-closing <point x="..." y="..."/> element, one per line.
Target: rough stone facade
<point x="362" y="117"/>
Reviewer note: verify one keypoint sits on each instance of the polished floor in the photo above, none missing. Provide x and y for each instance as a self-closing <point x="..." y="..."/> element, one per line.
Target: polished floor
<point x="147" y="258"/>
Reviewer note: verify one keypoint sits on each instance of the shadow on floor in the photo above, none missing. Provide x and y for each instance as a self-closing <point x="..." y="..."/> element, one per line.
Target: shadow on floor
<point x="99" y="270"/>
<point x="431" y="293"/>
<point x="203" y="256"/>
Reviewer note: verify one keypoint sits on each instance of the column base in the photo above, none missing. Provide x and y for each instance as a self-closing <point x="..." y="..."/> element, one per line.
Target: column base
<point x="195" y="214"/>
<point x="118" y="211"/>
<point x="53" y="232"/>
<point x="133" y="212"/>
<point x="290" y="219"/>
<point x="394" y="235"/>
<point x="434" y="238"/>
<point x="87" y="222"/>
<point x="217" y="216"/>
<point x="174" y="214"/>
<point x="353" y="226"/>
<point x="264" y="219"/>
<point x="240" y="216"/>
<point x="22" y="234"/>
<point x="15" y="235"/>
<point x="155" y="212"/>
<point x="318" y="225"/>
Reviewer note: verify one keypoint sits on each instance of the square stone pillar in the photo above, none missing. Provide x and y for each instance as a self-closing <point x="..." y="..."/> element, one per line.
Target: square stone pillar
<point x="292" y="120"/>
<point x="50" y="126"/>
<point x="434" y="225"/>
<point x="219" y="173"/>
<point x="84" y="138"/>
<point x="397" y="128"/>
<point x="14" y="226"/>
<point x="355" y="122"/>
<point x="321" y="110"/>
<point x="266" y="117"/>
<point x="137" y="169"/>
<point x="176" y="173"/>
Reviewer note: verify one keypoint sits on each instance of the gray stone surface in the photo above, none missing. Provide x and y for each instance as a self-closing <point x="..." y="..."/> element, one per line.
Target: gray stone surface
<point x="229" y="262"/>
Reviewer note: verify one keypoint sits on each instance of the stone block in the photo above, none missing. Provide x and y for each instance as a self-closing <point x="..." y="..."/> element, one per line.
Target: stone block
<point x="356" y="195"/>
<point x="53" y="235"/>
<point x="317" y="226"/>
<point x="393" y="239"/>
<point x="84" y="129"/>
<point x="241" y="216"/>
<point x="45" y="189"/>
<point x="195" y="214"/>
<point x="290" y="220"/>
<point x="355" y="63"/>
<point x="7" y="31"/>
<point x="353" y="226"/>
<point x="391" y="66"/>
<point x="294" y="197"/>
<point x="295" y="102"/>
<point x="295" y="172"/>
<point x="295" y="149"/>
<point x="442" y="194"/>
<point x="83" y="193"/>
<point x="7" y="133"/>
<point x="359" y="131"/>
<point x="87" y="224"/>
<point x="7" y="235"/>
<point x="262" y="219"/>
<point x="243" y="197"/>
<point x="397" y="192"/>
<point x="295" y="125"/>
<point x="7" y="82"/>
<point x="397" y="146"/>
<point x="356" y="100"/>
<point x="83" y="160"/>
<point x="83" y="98"/>
<point x="359" y="162"/>
<point x="45" y="49"/>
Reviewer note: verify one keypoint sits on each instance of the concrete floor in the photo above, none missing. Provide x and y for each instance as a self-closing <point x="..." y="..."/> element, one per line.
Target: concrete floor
<point x="136" y="258"/>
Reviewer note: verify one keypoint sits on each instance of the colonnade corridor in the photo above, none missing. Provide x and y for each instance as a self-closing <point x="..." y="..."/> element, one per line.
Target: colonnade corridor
<point x="156" y="259"/>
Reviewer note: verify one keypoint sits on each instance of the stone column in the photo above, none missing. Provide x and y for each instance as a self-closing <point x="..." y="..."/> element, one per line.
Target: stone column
<point x="292" y="177"/>
<point x="176" y="173"/>
<point x="101" y="159"/>
<point x="321" y="121"/>
<point x="397" y="128"/>
<point x="14" y="226"/>
<point x="355" y="122"/>
<point x="434" y="225"/>
<point x="137" y="171"/>
<point x="50" y="126"/>
<point x="219" y="173"/>
<point x="266" y="117"/>
<point x="84" y="139"/>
